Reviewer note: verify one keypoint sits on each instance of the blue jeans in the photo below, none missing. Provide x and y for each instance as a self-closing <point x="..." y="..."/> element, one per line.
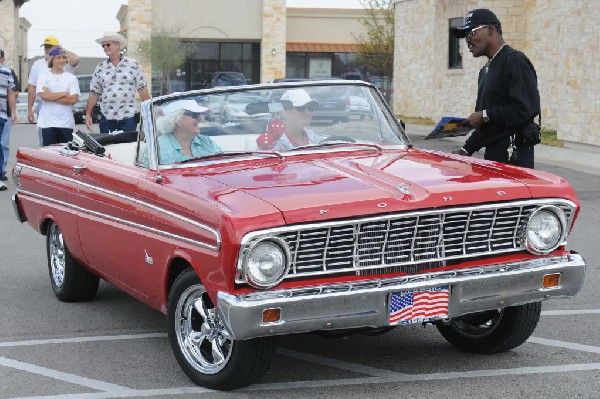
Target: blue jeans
<point x="2" y="123"/>
<point x="4" y="142"/>
<point x="110" y="125"/>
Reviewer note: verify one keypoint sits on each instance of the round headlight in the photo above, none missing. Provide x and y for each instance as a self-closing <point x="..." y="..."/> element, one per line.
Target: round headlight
<point x="267" y="263"/>
<point x="545" y="230"/>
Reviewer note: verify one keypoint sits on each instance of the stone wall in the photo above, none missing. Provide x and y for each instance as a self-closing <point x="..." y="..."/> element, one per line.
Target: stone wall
<point x="272" y="49"/>
<point x="139" y="28"/>
<point x="9" y="33"/>
<point x="563" y="52"/>
<point x="564" y="49"/>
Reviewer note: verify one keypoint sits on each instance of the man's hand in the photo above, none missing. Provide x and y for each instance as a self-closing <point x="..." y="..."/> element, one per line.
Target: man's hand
<point x="460" y="151"/>
<point x="475" y="120"/>
<point x="88" y="122"/>
<point x="30" y="115"/>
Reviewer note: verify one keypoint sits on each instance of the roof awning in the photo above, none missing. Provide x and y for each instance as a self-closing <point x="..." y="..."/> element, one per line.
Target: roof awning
<point x="305" y="47"/>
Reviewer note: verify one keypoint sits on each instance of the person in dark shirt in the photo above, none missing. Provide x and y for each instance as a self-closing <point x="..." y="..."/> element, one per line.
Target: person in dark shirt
<point x="507" y="96"/>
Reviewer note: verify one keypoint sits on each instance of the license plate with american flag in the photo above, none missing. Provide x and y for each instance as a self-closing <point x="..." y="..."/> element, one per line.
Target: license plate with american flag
<point x="419" y="306"/>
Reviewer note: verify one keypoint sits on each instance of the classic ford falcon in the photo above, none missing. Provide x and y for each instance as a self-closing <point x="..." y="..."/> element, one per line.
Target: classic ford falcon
<point x="286" y="223"/>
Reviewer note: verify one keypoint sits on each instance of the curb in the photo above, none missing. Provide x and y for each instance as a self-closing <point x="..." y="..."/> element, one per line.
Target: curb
<point x="584" y="158"/>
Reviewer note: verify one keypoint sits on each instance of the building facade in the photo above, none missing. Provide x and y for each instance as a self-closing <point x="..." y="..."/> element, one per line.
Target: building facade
<point x="262" y="39"/>
<point x="435" y="75"/>
<point x="13" y="38"/>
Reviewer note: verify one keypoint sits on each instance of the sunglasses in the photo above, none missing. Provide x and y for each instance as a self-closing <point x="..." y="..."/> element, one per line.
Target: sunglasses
<point x="47" y="46"/>
<point x="310" y="107"/>
<point x="472" y="32"/>
<point x="195" y="115"/>
<point x="106" y="45"/>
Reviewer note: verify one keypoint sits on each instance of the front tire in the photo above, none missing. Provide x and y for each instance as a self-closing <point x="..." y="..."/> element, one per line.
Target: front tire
<point x="492" y="331"/>
<point x="70" y="281"/>
<point x="202" y="346"/>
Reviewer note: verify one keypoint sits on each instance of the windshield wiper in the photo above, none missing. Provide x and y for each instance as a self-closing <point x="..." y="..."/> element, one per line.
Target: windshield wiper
<point x="338" y="143"/>
<point x="222" y="154"/>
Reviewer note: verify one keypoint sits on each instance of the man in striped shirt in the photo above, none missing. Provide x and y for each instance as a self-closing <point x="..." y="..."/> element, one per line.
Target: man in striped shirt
<point x="7" y="101"/>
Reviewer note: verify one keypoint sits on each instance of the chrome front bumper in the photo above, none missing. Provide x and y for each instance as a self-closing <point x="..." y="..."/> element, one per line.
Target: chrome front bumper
<point x="366" y="303"/>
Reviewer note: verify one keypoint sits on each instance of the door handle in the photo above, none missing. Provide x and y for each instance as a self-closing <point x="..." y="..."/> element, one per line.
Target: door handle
<point x="79" y="168"/>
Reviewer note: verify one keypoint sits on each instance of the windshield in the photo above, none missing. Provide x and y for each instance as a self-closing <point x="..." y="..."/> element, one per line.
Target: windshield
<point x="272" y="119"/>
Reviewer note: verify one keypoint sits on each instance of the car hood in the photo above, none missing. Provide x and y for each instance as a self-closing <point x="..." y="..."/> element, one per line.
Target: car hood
<point x="315" y="187"/>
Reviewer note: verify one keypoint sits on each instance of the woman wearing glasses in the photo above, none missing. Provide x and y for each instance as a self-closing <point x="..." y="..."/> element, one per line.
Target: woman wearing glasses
<point x="182" y="139"/>
<point x="291" y="129"/>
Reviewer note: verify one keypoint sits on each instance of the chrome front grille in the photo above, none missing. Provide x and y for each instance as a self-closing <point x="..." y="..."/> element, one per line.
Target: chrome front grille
<point x="408" y="242"/>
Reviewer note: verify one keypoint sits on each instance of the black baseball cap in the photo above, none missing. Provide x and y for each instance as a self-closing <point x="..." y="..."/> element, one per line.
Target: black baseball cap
<point x="475" y="18"/>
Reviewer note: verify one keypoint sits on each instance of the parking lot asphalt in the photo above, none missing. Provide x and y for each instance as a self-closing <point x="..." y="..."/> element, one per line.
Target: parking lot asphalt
<point x="116" y="347"/>
<point x="581" y="157"/>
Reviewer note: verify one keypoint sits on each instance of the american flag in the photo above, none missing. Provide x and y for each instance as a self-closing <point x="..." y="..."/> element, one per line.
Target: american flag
<point x="419" y="305"/>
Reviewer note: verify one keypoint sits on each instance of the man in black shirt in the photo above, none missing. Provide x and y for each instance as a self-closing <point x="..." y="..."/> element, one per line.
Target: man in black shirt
<point x="507" y="94"/>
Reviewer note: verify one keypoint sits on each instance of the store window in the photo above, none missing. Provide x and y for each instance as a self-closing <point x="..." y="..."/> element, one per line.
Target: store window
<point x="206" y="58"/>
<point x="454" y="56"/>
<point x="323" y="65"/>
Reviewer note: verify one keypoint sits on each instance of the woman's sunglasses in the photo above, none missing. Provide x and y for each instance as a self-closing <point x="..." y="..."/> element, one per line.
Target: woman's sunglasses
<point x="310" y="107"/>
<point x="106" y="45"/>
<point x="195" y="115"/>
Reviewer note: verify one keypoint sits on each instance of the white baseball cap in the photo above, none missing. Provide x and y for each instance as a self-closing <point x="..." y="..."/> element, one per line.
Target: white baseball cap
<point x="189" y="105"/>
<point x="298" y="97"/>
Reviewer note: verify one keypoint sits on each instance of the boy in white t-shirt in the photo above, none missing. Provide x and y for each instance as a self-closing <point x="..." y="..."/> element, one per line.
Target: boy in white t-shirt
<point x="59" y="90"/>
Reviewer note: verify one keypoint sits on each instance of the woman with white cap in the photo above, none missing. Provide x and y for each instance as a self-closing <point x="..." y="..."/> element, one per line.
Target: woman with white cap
<point x="291" y="129"/>
<point x="182" y="139"/>
<point x="59" y="90"/>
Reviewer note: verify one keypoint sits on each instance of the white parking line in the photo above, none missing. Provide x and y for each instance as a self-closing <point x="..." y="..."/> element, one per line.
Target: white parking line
<point x="569" y="312"/>
<point x="59" y="375"/>
<point x="563" y="344"/>
<point x="338" y="364"/>
<point x="81" y="339"/>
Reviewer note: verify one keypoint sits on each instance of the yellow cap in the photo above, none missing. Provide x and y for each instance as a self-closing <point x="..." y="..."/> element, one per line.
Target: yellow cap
<point x="50" y="41"/>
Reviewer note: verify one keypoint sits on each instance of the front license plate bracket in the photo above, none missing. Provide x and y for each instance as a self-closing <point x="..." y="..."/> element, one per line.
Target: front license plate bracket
<point x="423" y="305"/>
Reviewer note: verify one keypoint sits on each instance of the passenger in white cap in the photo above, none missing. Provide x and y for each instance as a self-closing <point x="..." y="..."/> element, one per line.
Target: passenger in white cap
<point x="181" y="138"/>
<point x="291" y="129"/>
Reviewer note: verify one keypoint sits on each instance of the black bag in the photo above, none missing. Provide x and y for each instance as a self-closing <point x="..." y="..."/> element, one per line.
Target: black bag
<point x="531" y="134"/>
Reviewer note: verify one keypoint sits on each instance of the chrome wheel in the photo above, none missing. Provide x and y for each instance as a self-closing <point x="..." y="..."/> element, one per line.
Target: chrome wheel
<point x="57" y="255"/>
<point x="201" y="335"/>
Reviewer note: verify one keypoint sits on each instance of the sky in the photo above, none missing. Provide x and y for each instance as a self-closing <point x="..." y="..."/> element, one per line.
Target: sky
<point x="78" y="23"/>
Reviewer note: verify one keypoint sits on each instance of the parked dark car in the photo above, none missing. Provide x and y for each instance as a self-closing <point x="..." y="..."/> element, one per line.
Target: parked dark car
<point x="228" y="79"/>
<point x="334" y="103"/>
<point x="79" y="109"/>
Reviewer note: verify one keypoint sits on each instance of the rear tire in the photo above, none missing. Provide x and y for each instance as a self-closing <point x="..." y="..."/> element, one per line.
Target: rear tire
<point x="202" y="346"/>
<point x="492" y="331"/>
<point x="70" y="281"/>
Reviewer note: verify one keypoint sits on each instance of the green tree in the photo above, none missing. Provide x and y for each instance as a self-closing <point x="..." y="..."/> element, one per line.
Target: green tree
<point x="376" y="46"/>
<point x="165" y="52"/>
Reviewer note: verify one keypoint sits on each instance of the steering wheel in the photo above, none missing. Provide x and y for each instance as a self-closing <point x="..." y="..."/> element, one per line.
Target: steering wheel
<point x="337" y="138"/>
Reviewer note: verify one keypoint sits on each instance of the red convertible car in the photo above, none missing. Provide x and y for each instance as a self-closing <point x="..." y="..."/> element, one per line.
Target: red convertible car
<point x="245" y="231"/>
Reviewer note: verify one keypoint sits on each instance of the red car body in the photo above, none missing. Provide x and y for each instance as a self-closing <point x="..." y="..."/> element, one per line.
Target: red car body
<point x="140" y="228"/>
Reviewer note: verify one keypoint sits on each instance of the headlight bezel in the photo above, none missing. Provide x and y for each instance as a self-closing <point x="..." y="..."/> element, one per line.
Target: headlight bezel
<point x="562" y="221"/>
<point x="245" y="276"/>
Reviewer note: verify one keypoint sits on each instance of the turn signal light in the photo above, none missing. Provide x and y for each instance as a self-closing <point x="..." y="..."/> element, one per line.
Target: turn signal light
<point x="551" y="280"/>
<point x="271" y="315"/>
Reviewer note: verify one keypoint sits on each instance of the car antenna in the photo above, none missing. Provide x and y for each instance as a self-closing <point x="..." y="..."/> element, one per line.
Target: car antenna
<point x="159" y="178"/>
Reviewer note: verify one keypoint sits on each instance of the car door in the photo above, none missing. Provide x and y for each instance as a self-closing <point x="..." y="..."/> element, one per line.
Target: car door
<point x="109" y="223"/>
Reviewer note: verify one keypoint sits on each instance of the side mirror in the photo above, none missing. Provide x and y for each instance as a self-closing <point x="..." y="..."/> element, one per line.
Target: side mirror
<point x="402" y="124"/>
